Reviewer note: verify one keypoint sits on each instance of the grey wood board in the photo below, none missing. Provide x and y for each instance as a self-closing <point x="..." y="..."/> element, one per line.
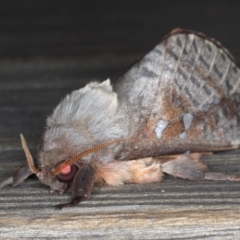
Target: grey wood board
<point x="173" y="209"/>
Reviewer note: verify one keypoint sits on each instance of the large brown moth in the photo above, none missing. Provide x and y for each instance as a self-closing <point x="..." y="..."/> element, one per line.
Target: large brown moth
<point x="179" y="101"/>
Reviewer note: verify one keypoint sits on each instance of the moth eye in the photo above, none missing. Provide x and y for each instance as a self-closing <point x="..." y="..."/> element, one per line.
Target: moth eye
<point x="67" y="173"/>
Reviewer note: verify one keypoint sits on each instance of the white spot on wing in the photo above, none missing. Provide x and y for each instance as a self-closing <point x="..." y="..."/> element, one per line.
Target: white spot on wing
<point x="187" y="120"/>
<point x="162" y="124"/>
<point x="183" y="135"/>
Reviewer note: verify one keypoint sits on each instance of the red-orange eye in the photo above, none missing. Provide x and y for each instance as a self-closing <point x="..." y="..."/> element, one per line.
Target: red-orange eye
<point x="67" y="173"/>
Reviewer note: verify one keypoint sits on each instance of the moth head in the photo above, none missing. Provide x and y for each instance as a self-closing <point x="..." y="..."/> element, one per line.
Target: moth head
<point x="64" y="171"/>
<point x="43" y="173"/>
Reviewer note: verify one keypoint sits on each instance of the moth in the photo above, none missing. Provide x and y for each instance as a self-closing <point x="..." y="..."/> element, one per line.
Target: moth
<point x="178" y="102"/>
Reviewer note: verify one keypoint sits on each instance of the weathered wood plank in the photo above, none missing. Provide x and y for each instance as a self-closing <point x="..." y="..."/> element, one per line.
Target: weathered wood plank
<point x="174" y="209"/>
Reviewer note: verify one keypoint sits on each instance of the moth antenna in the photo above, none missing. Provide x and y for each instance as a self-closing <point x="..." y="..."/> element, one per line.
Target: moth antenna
<point x="83" y="154"/>
<point x="28" y="155"/>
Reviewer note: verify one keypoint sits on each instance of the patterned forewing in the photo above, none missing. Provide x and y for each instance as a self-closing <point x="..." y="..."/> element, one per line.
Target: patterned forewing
<point x="212" y="90"/>
<point x="200" y="99"/>
<point x="186" y="88"/>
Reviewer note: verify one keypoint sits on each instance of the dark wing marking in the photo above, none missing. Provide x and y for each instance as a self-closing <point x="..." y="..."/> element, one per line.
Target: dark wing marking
<point x="177" y="31"/>
<point x="191" y="94"/>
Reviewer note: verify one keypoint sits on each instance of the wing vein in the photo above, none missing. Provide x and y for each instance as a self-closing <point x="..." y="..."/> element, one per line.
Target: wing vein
<point x="193" y="68"/>
<point x="177" y="64"/>
<point x="208" y="74"/>
<point x="220" y="83"/>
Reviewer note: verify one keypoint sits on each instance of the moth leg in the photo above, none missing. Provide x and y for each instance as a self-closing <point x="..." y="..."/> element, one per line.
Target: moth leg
<point x="62" y="190"/>
<point x="82" y="186"/>
<point x="18" y="176"/>
<point x="185" y="166"/>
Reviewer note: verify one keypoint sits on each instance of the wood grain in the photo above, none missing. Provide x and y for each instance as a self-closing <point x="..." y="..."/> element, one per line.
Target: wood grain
<point x="173" y="209"/>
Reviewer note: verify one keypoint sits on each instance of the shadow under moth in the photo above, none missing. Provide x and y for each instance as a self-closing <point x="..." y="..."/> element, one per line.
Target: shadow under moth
<point x="178" y="102"/>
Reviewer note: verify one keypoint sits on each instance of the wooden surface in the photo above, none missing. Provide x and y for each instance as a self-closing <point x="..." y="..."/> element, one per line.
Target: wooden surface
<point x="49" y="48"/>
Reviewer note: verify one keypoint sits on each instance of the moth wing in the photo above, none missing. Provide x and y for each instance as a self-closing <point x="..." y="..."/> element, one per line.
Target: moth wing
<point x="188" y="92"/>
